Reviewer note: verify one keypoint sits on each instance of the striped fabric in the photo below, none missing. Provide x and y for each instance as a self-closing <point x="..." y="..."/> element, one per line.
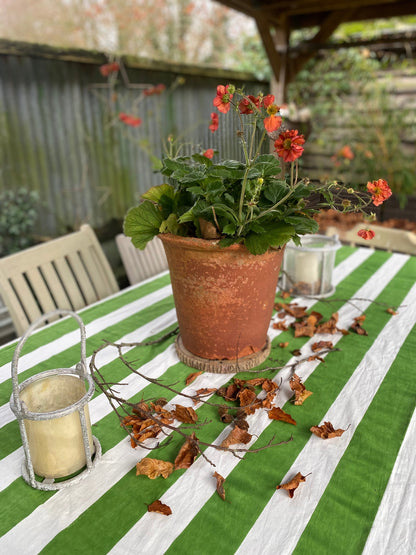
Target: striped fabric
<point x="360" y="492"/>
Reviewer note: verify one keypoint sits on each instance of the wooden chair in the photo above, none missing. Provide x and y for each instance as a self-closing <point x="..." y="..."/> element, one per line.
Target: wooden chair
<point x="66" y="273"/>
<point x="398" y="240"/>
<point x="141" y="264"/>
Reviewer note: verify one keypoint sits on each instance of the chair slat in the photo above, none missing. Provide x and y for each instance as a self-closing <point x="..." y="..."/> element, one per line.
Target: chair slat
<point x="139" y="264"/>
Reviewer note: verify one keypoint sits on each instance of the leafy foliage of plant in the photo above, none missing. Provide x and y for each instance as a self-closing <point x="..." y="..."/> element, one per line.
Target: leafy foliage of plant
<point x="18" y="215"/>
<point x="253" y="202"/>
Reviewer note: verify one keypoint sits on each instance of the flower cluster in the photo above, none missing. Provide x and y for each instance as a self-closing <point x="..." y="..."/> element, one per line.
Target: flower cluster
<point x="260" y="202"/>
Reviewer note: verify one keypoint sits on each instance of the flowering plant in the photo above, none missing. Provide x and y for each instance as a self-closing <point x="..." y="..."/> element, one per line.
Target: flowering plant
<point x="260" y="202"/>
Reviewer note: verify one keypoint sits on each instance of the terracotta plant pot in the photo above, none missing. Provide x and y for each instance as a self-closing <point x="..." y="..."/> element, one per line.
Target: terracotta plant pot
<point x="224" y="301"/>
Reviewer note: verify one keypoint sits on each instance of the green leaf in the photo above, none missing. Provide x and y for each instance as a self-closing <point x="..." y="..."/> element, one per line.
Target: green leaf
<point x="155" y="193"/>
<point x="275" y="190"/>
<point x="229" y="229"/>
<point x="170" y="225"/>
<point x="274" y="235"/>
<point x="303" y="224"/>
<point x="142" y="223"/>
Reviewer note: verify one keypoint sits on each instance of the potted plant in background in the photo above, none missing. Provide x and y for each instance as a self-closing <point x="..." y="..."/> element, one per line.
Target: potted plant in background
<point x="224" y="226"/>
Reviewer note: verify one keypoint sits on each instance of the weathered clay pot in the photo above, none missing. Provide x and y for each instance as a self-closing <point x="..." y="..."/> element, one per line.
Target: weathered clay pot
<point x="224" y="300"/>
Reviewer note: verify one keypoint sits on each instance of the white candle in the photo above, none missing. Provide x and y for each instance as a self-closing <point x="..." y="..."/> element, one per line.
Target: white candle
<point x="306" y="267"/>
<point x="56" y="446"/>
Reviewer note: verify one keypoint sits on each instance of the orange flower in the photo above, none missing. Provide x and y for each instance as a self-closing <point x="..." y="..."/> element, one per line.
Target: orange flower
<point x="209" y="153"/>
<point x="346" y="152"/>
<point x="289" y="145"/>
<point x="366" y="234"/>
<point x="158" y="89"/>
<point x="129" y="120"/>
<point x="246" y="105"/>
<point x="223" y="98"/>
<point x="214" y="122"/>
<point x="272" y="122"/>
<point x="106" y="69"/>
<point x="380" y="191"/>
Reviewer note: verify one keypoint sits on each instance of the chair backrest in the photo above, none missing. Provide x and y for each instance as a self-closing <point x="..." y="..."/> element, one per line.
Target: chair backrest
<point x="141" y="264"/>
<point x="66" y="273"/>
<point x="386" y="238"/>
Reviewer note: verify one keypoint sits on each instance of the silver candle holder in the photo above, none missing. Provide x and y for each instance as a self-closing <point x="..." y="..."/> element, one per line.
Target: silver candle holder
<point x="52" y="411"/>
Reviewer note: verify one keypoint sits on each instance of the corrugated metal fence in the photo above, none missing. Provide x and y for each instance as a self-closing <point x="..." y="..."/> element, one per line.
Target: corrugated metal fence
<point x="60" y="134"/>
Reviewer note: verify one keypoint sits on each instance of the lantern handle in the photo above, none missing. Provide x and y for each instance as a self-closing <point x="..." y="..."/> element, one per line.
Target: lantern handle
<point x="81" y="367"/>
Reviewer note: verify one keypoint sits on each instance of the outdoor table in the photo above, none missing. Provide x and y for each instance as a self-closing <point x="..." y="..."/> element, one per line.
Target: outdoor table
<point x="359" y="493"/>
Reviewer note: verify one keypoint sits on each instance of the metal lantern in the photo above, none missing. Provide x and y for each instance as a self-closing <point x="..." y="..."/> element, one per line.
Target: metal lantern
<point x="53" y="416"/>
<point x="307" y="269"/>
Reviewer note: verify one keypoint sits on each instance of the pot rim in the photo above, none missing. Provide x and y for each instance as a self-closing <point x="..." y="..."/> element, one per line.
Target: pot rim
<point x="198" y="243"/>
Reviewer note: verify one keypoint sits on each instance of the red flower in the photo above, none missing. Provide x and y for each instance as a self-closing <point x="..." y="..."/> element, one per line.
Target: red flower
<point x="129" y="120"/>
<point x="346" y="152"/>
<point x="214" y="122"/>
<point x="223" y="98"/>
<point x="366" y="234"/>
<point x="267" y="100"/>
<point x="380" y="191"/>
<point x="246" y="105"/>
<point x="209" y="153"/>
<point x="289" y="145"/>
<point x="106" y="69"/>
<point x="158" y="89"/>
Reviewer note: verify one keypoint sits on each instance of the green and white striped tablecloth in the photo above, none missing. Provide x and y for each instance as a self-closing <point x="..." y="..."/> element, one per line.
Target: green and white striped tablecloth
<point x="360" y="492"/>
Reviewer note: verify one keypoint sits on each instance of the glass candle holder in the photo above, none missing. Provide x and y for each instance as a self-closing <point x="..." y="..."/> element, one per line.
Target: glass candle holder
<point x="307" y="269"/>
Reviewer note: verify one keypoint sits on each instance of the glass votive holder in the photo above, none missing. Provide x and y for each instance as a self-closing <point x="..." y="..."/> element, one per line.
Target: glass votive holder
<point x="307" y="269"/>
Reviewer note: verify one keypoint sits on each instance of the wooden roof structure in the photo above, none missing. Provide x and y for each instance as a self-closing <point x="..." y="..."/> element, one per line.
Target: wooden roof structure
<point x="276" y="19"/>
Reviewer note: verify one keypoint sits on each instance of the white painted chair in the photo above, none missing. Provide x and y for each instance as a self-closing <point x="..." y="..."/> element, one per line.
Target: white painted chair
<point x="397" y="240"/>
<point x="141" y="264"/>
<point x="69" y="272"/>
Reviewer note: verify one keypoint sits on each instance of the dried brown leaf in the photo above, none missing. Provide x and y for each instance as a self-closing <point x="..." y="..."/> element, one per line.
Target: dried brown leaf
<point x="301" y="393"/>
<point x="246" y="397"/>
<point x="276" y="413"/>
<point x="220" y="485"/>
<point x="330" y="326"/>
<point x="319" y="345"/>
<point x="284" y="344"/>
<point x="185" y="414"/>
<point x="192" y="377"/>
<point x="187" y="452"/>
<point x="269" y="386"/>
<point x="159" y="507"/>
<point x="237" y="435"/>
<point x="326" y="431"/>
<point x="292" y="484"/>
<point x="153" y="468"/>
<point x="205" y="390"/>
<point x="391" y="311"/>
<point x="280" y="326"/>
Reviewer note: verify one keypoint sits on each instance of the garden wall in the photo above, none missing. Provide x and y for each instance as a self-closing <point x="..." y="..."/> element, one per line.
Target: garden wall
<point x="60" y="134"/>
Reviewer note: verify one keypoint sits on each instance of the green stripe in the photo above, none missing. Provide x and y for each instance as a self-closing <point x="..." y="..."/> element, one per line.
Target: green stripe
<point x="100" y="516"/>
<point x="252" y="483"/>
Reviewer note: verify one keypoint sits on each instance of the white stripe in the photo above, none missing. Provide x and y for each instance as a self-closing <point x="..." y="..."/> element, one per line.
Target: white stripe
<point x="101" y="480"/>
<point x="320" y="457"/>
<point x="394" y="528"/>
<point x="73" y="338"/>
<point x="198" y="479"/>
